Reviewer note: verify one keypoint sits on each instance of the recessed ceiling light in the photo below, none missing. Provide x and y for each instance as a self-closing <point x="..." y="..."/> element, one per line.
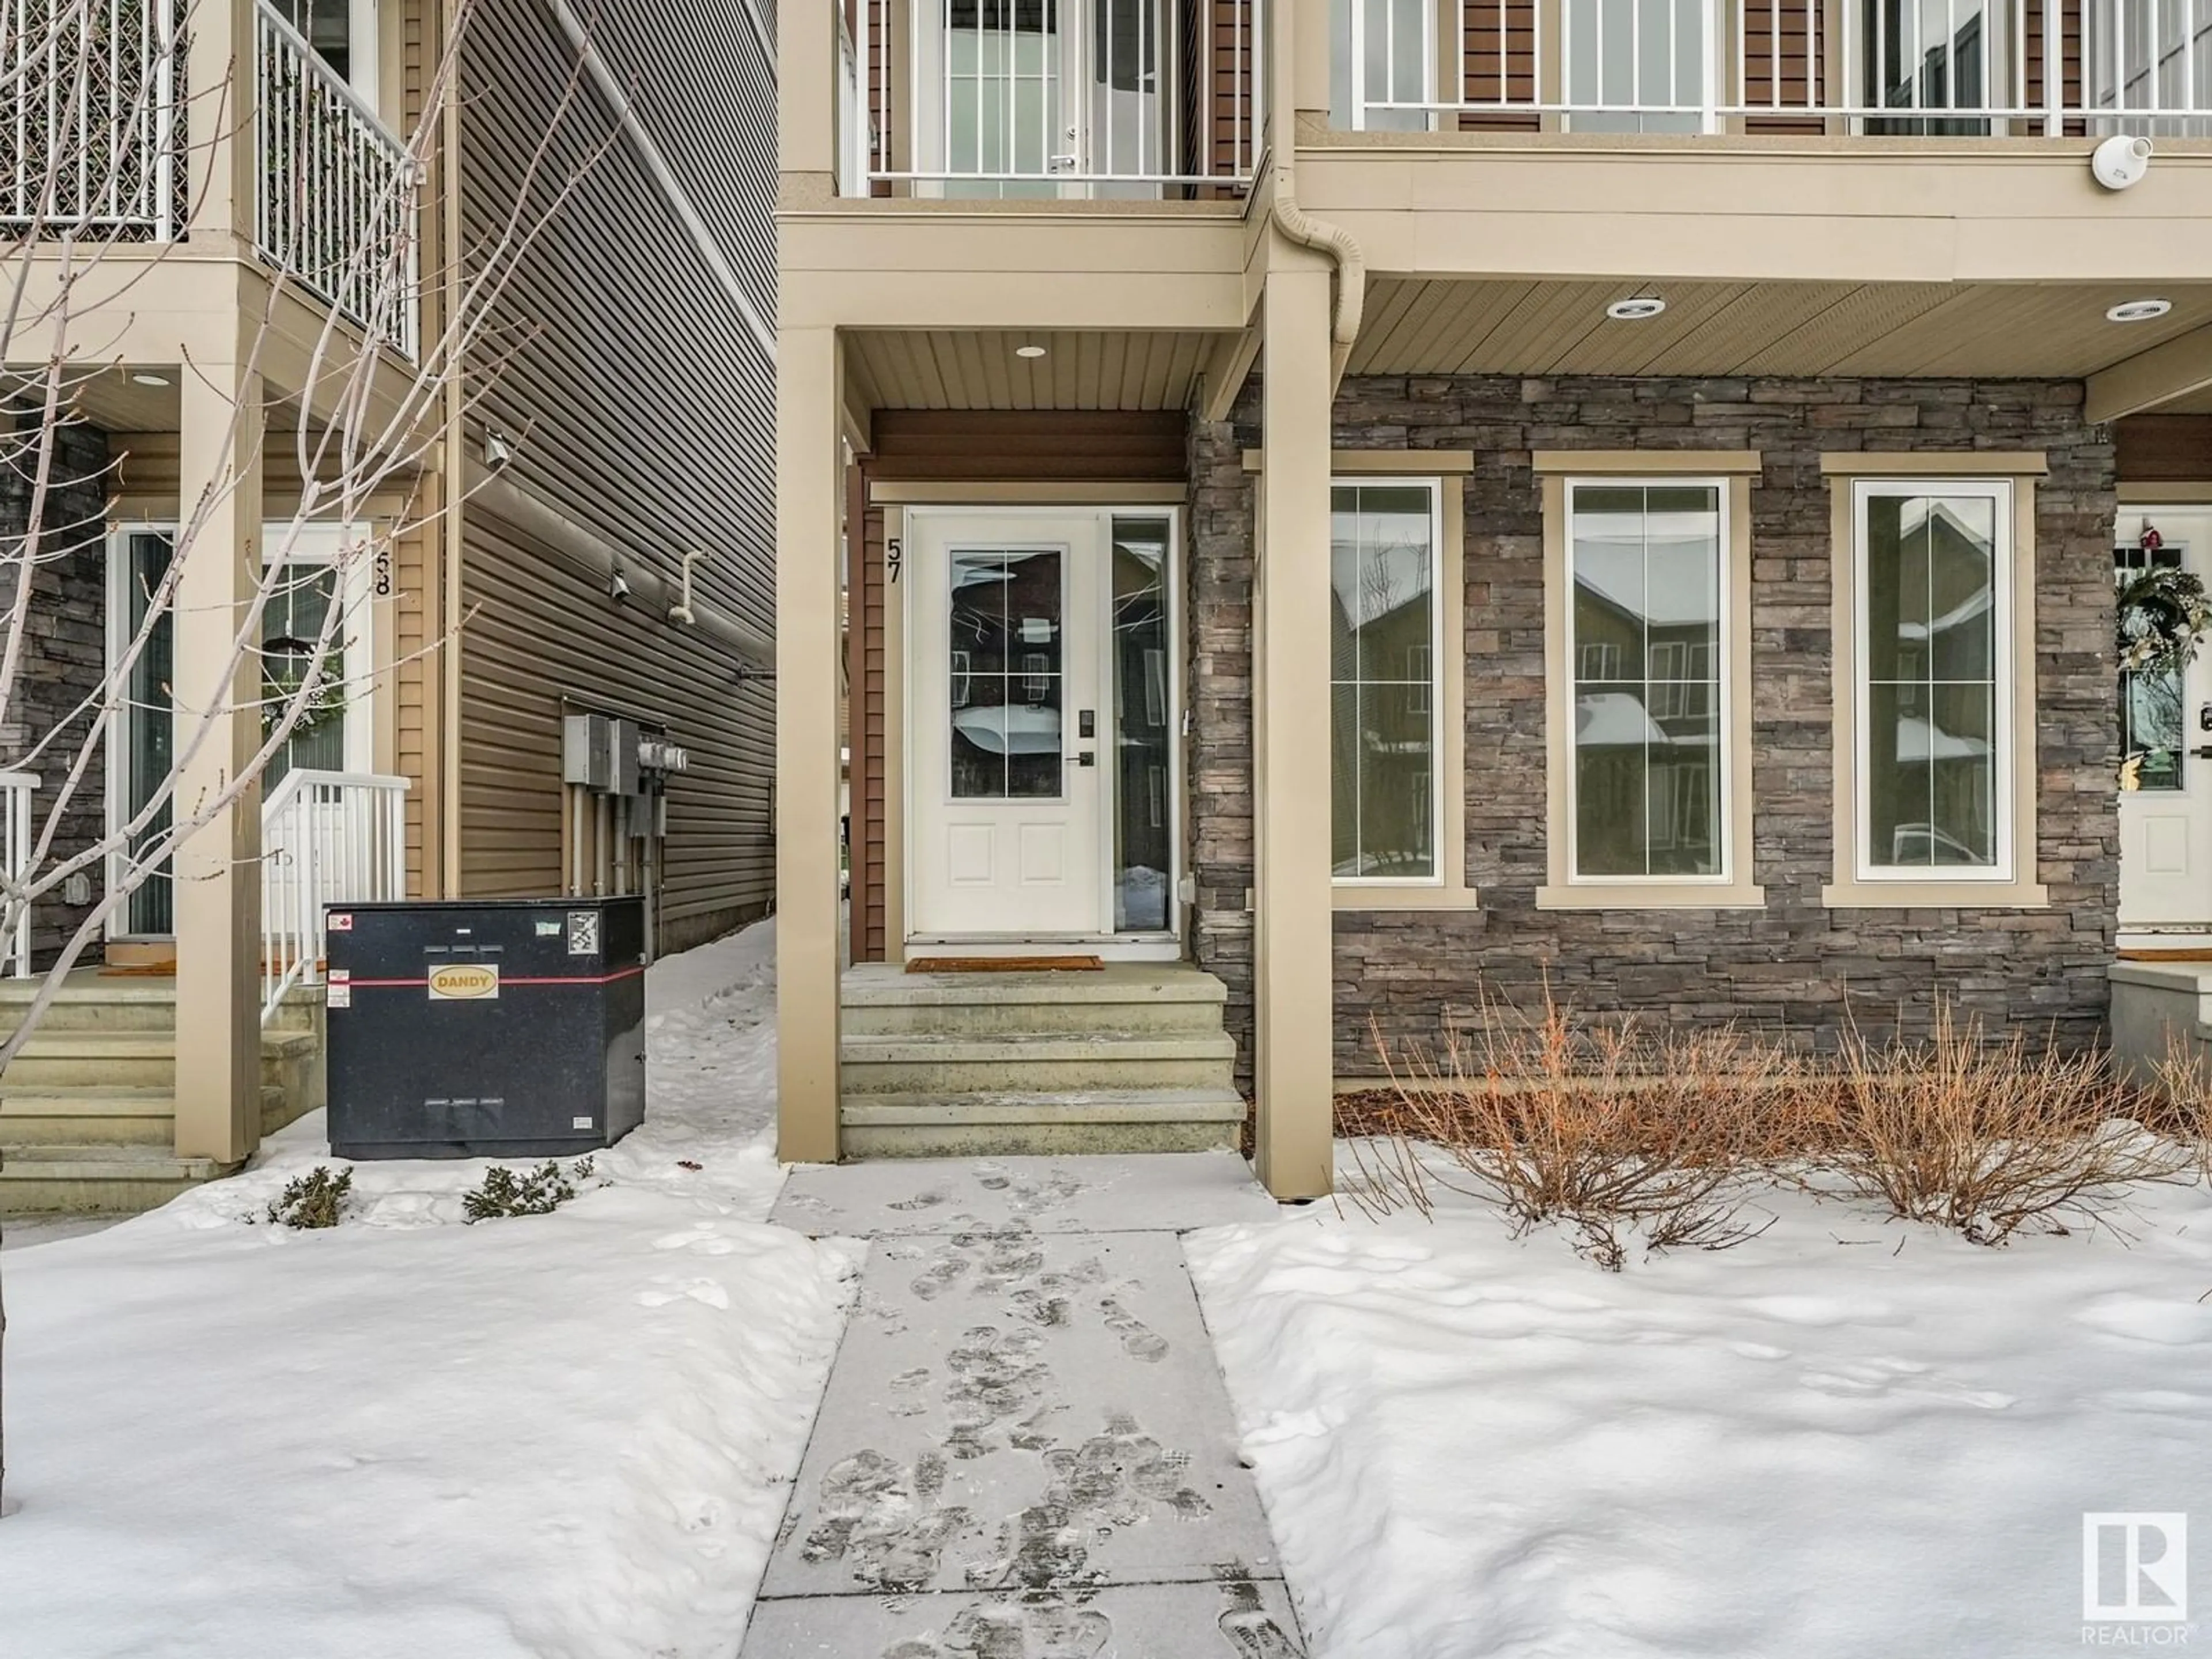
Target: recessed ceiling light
<point x="1635" y="311"/>
<point x="1029" y="351"/>
<point x="146" y="378"/>
<point x="2138" y="310"/>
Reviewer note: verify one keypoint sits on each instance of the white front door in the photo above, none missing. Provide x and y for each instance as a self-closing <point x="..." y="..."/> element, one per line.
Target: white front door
<point x="2166" y="740"/>
<point x="1003" y="711"/>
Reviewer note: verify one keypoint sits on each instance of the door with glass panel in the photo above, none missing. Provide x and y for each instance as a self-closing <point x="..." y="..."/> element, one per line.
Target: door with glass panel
<point x="1003" y="709"/>
<point x="2166" y="746"/>
<point x="1043" y="725"/>
<point x="1043" y="97"/>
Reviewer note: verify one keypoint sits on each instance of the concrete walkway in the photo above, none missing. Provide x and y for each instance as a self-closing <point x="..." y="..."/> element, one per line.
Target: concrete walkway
<point x="1026" y="1450"/>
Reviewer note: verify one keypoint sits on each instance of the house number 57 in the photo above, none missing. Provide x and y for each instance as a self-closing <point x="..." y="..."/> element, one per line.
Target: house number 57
<point x="894" y="557"/>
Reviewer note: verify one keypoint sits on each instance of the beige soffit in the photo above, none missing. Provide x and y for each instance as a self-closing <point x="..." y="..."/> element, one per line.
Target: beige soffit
<point x="1562" y="890"/>
<point x="1848" y="891"/>
<point x="978" y="368"/>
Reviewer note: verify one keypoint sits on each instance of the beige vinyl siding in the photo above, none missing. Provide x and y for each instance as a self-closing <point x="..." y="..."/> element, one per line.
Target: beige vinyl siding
<point x="639" y="406"/>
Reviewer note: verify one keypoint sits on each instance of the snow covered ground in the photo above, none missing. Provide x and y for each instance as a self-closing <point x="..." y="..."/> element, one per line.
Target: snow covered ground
<point x="1847" y="1438"/>
<point x="563" y="1435"/>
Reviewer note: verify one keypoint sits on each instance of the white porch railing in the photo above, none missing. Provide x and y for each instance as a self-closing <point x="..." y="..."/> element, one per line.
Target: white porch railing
<point x="91" y="116"/>
<point x="1910" y="67"/>
<point x="1066" y="99"/>
<point x="16" y="788"/>
<point x="337" y="203"/>
<point x="326" y="838"/>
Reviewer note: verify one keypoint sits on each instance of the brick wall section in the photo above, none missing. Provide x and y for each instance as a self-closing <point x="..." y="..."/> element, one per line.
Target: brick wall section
<point x="65" y="655"/>
<point x="1795" y="966"/>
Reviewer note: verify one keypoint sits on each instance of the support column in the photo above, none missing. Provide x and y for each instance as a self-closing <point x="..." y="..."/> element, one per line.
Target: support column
<point x="809" y="479"/>
<point x="1292" y="965"/>
<point x="217" y="868"/>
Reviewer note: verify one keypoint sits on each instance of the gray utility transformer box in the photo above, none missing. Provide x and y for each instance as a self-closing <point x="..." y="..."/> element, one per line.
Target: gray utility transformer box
<point x="497" y="1028"/>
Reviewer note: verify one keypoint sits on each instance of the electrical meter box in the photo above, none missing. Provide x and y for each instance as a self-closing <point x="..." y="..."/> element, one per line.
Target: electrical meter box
<point x="485" y="1029"/>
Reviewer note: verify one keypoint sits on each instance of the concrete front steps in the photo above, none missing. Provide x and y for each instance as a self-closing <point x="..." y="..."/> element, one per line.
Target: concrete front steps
<point x="87" y="1106"/>
<point x="1132" y="1059"/>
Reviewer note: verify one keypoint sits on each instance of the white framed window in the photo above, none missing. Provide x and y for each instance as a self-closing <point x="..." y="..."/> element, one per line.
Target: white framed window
<point x="1933" y="645"/>
<point x="1385" y="580"/>
<point x="1648" y="567"/>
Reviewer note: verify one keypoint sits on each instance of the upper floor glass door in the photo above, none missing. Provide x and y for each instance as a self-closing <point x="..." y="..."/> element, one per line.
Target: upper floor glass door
<point x="1044" y="98"/>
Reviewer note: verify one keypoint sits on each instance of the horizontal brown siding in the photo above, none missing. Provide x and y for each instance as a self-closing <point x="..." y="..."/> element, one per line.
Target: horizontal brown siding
<point x="2164" y="448"/>
<point x="1010" y="446"/>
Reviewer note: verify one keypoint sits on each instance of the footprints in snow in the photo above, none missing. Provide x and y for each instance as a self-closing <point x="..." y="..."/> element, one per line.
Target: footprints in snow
<point x="1049" y="1628"/>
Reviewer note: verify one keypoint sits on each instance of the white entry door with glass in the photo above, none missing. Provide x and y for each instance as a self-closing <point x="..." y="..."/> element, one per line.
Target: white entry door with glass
<point x="2165" y="747"/>
<point x="1041" y="710"/>
<point x="333" y="734"/>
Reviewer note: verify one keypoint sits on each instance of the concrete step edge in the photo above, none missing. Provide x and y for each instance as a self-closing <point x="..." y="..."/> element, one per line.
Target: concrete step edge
<point x="904" y="1049"/>
<point x="986" y="990"/>
<point x="1194" y="1107"/>
<point x="92" y="1161"/>
<point x="87" y="1100"/>
<point x="71" y="1043"/>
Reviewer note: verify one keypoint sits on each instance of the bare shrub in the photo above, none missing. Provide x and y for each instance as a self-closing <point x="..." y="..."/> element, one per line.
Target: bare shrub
<point x="1985" y="1137"/>
<point x="1619" y="1131"/>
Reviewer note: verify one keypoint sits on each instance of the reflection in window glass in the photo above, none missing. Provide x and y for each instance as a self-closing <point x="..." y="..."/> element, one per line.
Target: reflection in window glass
<point x="1635" y="65"/>
<point x="1645" y="563"/>
<point x="1383" y="570"/>
<point x="1929" y="626"/>
<point x="1005" y="702"/>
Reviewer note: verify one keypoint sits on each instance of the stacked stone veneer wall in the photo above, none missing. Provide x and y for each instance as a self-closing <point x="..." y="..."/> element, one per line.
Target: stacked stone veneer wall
<point x="1795" y="965"/>
<point x="64" y="660"/>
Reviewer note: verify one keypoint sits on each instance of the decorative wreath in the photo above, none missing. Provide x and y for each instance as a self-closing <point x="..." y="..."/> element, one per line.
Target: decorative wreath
<point x="2163" y="618"/>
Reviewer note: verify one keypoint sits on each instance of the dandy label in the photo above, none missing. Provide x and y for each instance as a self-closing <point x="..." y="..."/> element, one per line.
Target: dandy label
<point x="464" y="981"/>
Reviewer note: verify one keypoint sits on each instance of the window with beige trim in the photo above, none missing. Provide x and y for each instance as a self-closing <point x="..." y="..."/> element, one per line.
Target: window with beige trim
<point x="1935" y="682"/>
<point x="1647" y="600"/>
<point x="1384" y="622"/>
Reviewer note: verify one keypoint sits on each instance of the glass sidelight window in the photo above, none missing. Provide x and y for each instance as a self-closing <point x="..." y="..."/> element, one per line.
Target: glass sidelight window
<point x="1007" y="610"/>
<point x="1932" y="609"/>
<point x="1383" y="649"/>
<point x="1649" y="780"/>
<point x="1143" y="743"/>
<point x="147" y="751"/>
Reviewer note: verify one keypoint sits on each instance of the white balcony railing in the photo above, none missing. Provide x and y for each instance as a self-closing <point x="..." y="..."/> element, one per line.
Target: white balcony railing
<point x="92" y="117"/>
<point x="16" y="788"/>
<point x="338" y="192"/>
<point x="1905" y="67"/>
<point x="326" y="838"/>
<point x="1055" y="97"/>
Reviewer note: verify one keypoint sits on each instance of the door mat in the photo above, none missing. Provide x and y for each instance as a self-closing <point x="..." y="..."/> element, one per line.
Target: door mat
<point x="139" y="970"/>
<point x="2200" y="954"/>
<point x="1006" y="965"/>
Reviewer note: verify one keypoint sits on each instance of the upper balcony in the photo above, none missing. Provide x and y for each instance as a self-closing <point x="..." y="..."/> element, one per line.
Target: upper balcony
<point x="110" y="141"/>
<point x="1050" y="99"/>
<point x="1914" y="69"/>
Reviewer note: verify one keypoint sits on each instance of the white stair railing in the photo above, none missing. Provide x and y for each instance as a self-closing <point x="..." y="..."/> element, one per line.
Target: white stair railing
<point x="327" y="838"/>
<point x="15" y="789"/>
